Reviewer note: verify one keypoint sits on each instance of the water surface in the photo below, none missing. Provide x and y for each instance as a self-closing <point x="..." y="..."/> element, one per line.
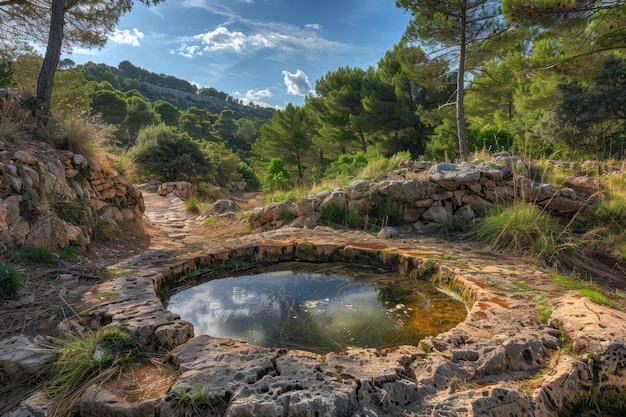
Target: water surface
<point x="320" y="308"/>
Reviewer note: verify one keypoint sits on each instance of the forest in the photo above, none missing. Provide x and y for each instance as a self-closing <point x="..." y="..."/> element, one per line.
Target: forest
<point x="536" y="79"/>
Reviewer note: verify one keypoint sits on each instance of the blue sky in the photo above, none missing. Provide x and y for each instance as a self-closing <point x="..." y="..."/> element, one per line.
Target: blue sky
<point x="270" y="52"/>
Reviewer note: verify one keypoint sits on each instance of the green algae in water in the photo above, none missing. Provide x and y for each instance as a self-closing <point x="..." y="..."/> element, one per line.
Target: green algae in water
<point x="319" y="308"/>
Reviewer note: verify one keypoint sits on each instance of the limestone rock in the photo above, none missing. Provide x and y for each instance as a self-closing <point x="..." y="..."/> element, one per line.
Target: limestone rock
<point x="221" y="207"/>
<point x="21" y="356"/>
<point x="96" y="402"/>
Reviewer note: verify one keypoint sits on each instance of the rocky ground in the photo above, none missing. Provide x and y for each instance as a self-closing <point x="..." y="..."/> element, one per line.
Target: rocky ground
<point x="488" y="365"/>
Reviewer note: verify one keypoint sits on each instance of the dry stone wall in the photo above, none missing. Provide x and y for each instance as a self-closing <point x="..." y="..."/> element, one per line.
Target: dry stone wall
<point x="444" y="191"/>
<point x="51" y="198"/>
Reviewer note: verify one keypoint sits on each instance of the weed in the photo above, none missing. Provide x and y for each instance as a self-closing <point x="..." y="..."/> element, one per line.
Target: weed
<point x="82" y="358"/>
<point x="584" y="289"/>
<point x="388" y="212"/>
<point x="198" y="400"/>
<point x="24" y="254"/>
<point x="68" y="253"/>
<point x="235" y="263"/>
<point x="105" y="295"/>
<point x="544" y="307"/>
<point x="427" y="269"/>
<point x="535" y="380"/>
<point x="101" y="231"/>
<point x="334" y="213"/>
<point x="192" y="205"/>
<point x="521" y="285"/>
<point x="70" y="210"/>
<point x="286" y="214"/>
<point x="10" y="282"/>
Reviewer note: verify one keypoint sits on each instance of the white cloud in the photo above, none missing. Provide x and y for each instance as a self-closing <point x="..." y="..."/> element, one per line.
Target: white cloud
<point x="126" y="37"/>
<point x="222" y="38"/>
<point x="314" y="26"/>
<point x="297" y="84"/>
<point x="186" y="51"/>
<point x="255" y="96"/>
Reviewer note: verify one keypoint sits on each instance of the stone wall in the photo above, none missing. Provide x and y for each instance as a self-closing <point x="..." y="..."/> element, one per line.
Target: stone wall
<point x="51" y="198"/>
<point x="433" y="193"/>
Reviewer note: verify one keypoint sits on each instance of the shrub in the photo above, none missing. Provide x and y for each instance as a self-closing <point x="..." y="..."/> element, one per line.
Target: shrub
<point x="10" y="282"/>
<point x="162" y="152"/>
<point x="277" y="177"/>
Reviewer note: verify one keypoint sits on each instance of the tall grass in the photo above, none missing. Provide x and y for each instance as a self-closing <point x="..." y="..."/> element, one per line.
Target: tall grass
<point x="526" y="228"/>
<point x="83" y="358"/>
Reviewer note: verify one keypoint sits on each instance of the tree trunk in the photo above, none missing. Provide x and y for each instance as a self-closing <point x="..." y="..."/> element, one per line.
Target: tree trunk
<point x="53" y="54"/>
<point x="460" y="91"/>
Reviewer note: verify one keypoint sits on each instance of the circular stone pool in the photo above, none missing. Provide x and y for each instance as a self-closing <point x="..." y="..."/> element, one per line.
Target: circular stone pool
<point x="319" y="308"/>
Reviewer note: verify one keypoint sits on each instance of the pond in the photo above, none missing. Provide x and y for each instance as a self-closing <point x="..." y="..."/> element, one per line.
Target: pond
<point x="319" y="308"/>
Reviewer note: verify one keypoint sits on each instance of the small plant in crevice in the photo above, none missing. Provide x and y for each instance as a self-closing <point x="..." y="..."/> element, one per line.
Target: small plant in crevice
<point x="198" y="400"/>
<point x="544" y="307"/>
<point x="10" y="279"/>
<point x="235" y="263"/>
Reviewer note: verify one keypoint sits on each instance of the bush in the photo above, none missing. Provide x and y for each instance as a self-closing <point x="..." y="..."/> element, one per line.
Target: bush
<point x="163" y="153"/>
<point x="10" y="282"/>
<point x="277" y="178"/>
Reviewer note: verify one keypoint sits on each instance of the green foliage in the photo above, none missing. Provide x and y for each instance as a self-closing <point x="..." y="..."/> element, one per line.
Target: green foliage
<point x="288" y="136"/>
<point x="10" y="282"/>
<point x="102" y="231"/>
<point x="70" y="210"/>
<point x="248" y="175"/>
<point x="333" y="213"/>
<point x="584" y="289"/>
<point x="518" y="227"/>
<point x="163" y="153"/>
<point x="199" y="399"/>
<point x="192" y="205"/>
<point x="222" y="165"/>
<point x="25" y="254"/>
<point x="347" y="166"/>
<point x="6" y="73"/>
<point x="544" y="308"/>
<point x="81" y="358"/>
<point x="277" y="177"/>
<point x="388" y="212"/>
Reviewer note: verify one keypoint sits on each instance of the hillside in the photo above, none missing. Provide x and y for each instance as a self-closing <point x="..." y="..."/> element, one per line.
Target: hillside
<point x="180" y="93"/>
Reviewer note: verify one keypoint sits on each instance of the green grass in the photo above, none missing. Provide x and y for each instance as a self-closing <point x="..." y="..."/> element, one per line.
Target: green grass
<point x="82" y="358"/>
<point x="521" y="285"/>
<point x="544" y="307"/>
<point x="388" y="213"/>
<point x="10" y="279"/>
<point x="23" y="254"/>
<point x="198" y="400"/>
<point x="333" y="213"/>
<point x="518" y="227"/>
<point x="192" y="205"/>
<point x="584" y="289"/>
